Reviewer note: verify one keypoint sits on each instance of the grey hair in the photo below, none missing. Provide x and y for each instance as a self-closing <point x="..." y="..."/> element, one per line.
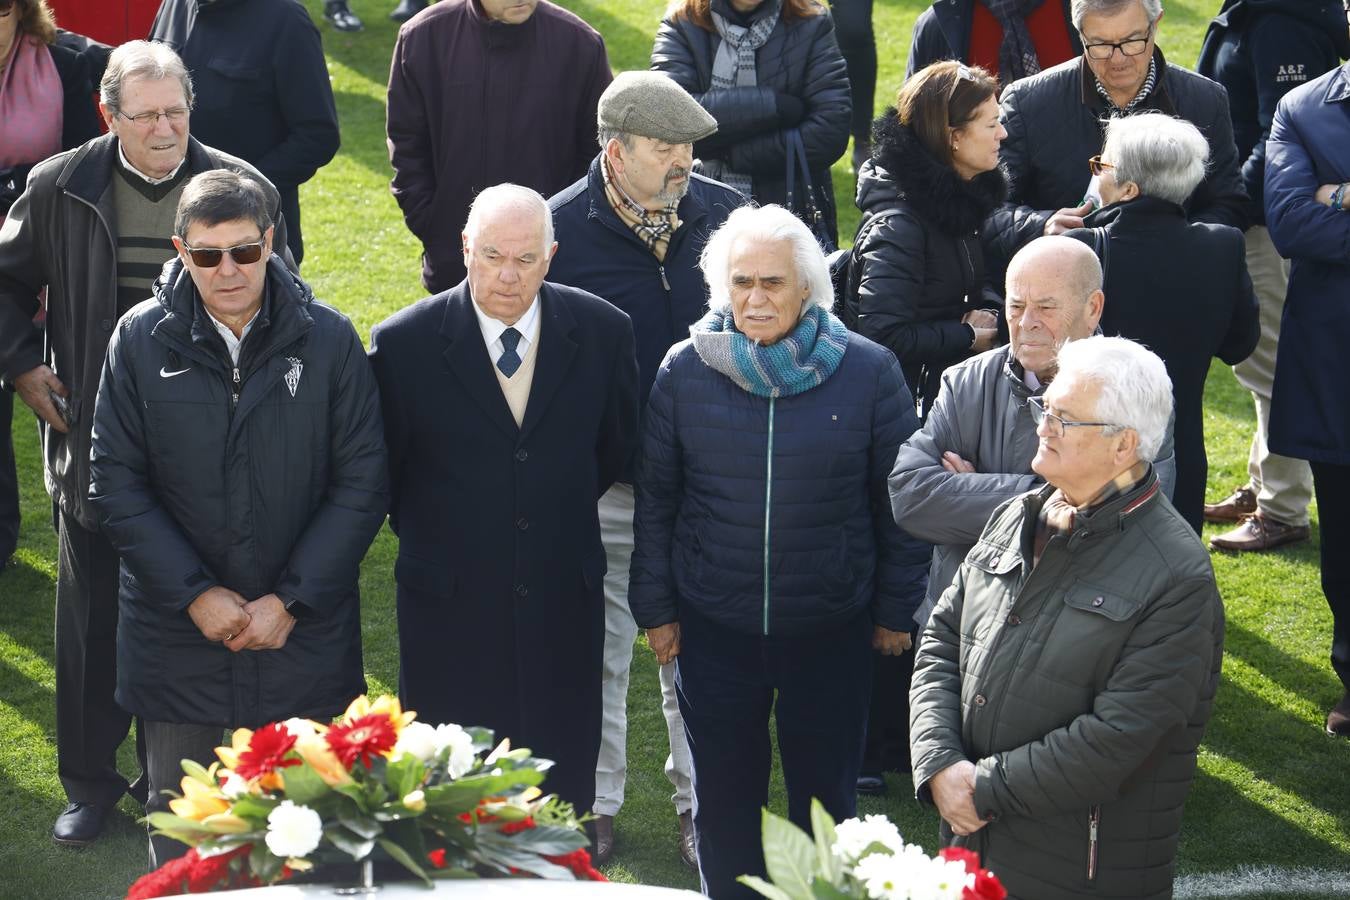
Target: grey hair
<point x="1080" y="8"/>
<point x="1135" y="390"/>
<point x="606" y="135"/>
<point x="500" y="196"/>
<point x="766" y="224"/>
<point x="1166" y="157"/>
<point x="141" y="59"/>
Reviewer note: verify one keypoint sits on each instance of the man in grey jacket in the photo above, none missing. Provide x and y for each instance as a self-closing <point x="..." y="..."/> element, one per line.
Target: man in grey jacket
<point x="974" y="451"/>
<point x="1064" y="680"/>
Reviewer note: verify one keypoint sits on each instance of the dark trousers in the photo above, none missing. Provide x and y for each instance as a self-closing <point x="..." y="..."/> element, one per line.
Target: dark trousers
<point x="9" y="480"/>
<point x="167" y="744"/>
<point x="290" y="210"/>
<point x="887" y="745"/>
<point x="726" y="682"/>
<point x="90" y="726"/>
<point x="1332" y="486"/>
<point x="858" y="44"/>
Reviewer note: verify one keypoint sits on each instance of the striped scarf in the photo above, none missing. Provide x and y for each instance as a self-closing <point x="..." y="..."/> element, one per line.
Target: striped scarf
<point x="733" y="67"/>
<point x="1111" y="109"/>
<point x="799" y="361"/>
<point x="652" y="228"/>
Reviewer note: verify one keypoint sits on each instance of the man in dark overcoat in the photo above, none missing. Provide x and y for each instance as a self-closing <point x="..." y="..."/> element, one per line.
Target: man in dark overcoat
<point x="510" y="406"/>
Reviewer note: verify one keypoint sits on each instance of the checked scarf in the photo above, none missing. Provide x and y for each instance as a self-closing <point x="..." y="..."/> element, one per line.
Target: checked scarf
<point x="734" y="66"/>
<point x="797" y="362"/>
<point x="652" y="228"/>
<point x="1017" y="53"/>
<point x="1112" y="110"/>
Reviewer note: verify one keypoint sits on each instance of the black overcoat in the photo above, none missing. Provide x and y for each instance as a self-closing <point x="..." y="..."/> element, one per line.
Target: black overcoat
<point x="500" y="565"/>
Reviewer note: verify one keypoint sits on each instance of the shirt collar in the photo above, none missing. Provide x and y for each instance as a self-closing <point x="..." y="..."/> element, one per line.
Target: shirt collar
<point x="527" y="325"/>
<point x="126" y="164"/>
<point x="1339" y="89"/>
<point x="232" y="343"/>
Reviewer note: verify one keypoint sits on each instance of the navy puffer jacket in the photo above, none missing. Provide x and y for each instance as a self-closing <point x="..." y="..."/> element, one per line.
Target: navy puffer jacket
<point x="716" y="459"/>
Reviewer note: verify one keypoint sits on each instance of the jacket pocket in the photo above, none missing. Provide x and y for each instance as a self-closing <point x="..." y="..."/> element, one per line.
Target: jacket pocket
<point x="1100" y="601"/>
<point x="993" y="559"/>
<point x="424" y="577"/>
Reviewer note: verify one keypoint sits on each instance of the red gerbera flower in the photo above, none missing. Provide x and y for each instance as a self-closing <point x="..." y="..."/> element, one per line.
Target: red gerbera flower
<point x="361" y="738"/>
<point x="986" y="887"/>
<point x="266" y="752"/>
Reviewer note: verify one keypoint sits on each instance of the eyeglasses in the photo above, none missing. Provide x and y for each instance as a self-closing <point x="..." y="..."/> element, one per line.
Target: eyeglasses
<point x="1057" y="424"/>
<point x="1097" y="167"/>
<point x="210" y="257"/>
<point x="1132" y="47"/>
<point x="176" y="116"/>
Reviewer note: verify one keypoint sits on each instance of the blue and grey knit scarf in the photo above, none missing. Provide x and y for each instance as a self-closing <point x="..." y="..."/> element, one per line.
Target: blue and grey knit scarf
<point x="802" y="359"/>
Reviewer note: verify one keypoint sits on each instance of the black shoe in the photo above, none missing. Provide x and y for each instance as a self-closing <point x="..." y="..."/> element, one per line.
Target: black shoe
<point x="871" y="785"/>
<point x="340" y="16"/>
<point x="406" y="9"/>
<point x="79" y="825"/>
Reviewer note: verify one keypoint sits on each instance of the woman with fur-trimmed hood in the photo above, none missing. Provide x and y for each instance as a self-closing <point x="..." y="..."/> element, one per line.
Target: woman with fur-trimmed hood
<point x="932" y="179"/>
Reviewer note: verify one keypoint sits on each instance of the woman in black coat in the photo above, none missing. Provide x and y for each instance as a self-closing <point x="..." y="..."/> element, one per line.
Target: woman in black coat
<point x="932" y="179"/>
<point x="1179" y="288"/>
<point x="798" y="80"/>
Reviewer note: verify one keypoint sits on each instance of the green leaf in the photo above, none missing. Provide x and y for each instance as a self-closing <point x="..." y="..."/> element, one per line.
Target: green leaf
<point x="358" y="823"/>
<point x="759" y="884"/>
<point x="404" y="776"/>
<point x="401" y="856"/>
<point x="356" y="847"/>
<point x="252" y="807"/>
<point x="197" y="772"/>
<point x="824" y="890"/>
<point x="822" y="826"/>
<point x="547" y="840"/>
<point x="789" y="856"/>
<point x="463" y="795"/>
<point x="303" y="785"/>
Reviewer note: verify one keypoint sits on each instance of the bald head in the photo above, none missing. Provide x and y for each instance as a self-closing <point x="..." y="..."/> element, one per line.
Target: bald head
<point x="510" y="202"/>
<point x="1054" y="295"/>
<point x="508" y="243"/>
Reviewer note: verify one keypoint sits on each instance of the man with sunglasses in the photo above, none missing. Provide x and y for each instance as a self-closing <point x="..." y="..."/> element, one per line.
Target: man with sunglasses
<point x="238" y="465"/>
<point x="1054" y="121"/>
<point x="1064" y="680"/>
<point x="93" y="228"/>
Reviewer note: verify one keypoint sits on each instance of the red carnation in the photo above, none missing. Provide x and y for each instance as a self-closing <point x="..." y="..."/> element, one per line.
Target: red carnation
<point x="524" y="824"/>
<point x="266" y="752"/>
<point x="209" y="872"/>
<point x="986" y="887"/>
<point x="579" y="863"/>
<point x="166" y="881"/>
<point x="361" y="738"/>
<point x="437" y="858"/>
<point x="970" y="858"/>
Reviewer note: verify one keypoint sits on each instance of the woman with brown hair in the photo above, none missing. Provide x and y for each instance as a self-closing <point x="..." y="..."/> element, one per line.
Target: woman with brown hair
<point x="765" y="69"/>
<point x="933" y="177"/>
<point x="46" y="106"/>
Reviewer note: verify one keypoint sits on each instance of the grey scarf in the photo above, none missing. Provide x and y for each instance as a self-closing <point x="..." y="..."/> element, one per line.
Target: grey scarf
<point x="733" y="67"/>
<point x="1017" y="53"/>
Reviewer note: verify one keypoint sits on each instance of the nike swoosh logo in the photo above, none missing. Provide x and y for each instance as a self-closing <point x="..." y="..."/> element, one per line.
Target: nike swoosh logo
<point x="165" y="373"/>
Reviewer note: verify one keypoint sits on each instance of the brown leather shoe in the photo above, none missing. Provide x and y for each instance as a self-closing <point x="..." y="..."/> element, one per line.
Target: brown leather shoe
<point x="1242" y="502"/>
<point x="604" y="840"/>
<point x="1338" y="720"/>
<point x="1258" y="532"/>
<point x="688" y="855"/>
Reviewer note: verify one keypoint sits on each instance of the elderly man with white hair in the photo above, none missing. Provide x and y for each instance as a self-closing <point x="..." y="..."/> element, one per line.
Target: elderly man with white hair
<point x="1064" y="680"/>
<point x="1180" y="288"/>
<point x="766" y="560"/>
<point x="510" y="406"/>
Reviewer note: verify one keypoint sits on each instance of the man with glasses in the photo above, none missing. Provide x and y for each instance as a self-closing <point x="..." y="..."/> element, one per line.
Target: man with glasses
<point x="974" y="451"/>
<point x="93" y="228"/>
<point x="1064" y="680"/>
<point x="1054" y="121"/>
<point x="238" y="465"/>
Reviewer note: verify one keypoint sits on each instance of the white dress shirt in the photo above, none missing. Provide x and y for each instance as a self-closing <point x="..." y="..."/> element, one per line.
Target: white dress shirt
<point x="527" y="325"/>
<point x="232" y="343"/>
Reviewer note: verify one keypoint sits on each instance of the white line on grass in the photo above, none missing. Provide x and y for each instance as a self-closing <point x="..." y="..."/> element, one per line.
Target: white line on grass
<point x="1255" y="881"/>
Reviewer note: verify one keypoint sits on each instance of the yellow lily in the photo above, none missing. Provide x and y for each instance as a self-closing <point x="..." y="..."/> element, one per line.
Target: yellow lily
<point x="385" y="705"/>
<point x="198" y="801"/>
<point x="238" y="744"/>
<point x="318" y="756"/>
<point x="226" y="823"/>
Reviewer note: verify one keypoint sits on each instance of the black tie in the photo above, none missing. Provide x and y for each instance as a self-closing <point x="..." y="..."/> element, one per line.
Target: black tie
<point x="509" y="361"/>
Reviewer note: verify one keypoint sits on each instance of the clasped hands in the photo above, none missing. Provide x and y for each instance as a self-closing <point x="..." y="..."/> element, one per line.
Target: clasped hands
<point x="953" y="791"/>
<point x="221" y="614"/>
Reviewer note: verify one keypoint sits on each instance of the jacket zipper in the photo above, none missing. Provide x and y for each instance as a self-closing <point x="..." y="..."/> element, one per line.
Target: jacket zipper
<point x="768" y="506"/>
<point x="1094" y="820"/>
<point x="234" y="389"/>
<point x="664" y="282"/>
<point x="970" y="263"/>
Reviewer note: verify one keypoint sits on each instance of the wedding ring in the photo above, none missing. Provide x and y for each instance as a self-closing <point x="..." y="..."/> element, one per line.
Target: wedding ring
<point x="229" y="637"/>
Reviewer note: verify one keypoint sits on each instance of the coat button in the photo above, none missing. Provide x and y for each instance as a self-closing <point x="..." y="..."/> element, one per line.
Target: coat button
<point x="522" y="591"/>
<point x="979" y="700"/>
<point x="522" y="523"/>
<point x="522" y="454"/>
<point x="1098" y="601"/>
<point x="1013" y="620"/>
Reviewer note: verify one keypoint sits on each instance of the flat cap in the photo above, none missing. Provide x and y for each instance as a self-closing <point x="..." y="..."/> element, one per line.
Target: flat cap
<point x="652" y="105"/>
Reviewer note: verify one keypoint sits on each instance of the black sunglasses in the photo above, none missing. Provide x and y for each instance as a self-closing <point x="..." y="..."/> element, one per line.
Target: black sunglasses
<point x="210" y="257"/>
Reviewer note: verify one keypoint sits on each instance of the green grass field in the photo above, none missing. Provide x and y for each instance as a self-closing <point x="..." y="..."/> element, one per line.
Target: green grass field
<point x="1272" y="788"/>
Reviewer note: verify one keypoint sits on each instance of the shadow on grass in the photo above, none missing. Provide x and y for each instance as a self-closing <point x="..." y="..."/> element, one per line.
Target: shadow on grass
<point x="1289" y="672"/>
<point x="1223" y="826"/>
<point x="363" y="132"/>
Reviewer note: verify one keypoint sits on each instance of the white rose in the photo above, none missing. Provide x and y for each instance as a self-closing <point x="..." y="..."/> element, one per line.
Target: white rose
<point x="854" y="836"/>
<point x="417" y="739"/>
<point x="461" y="757"/>
<point x="300" y="728"/>
<point x="234" y="787"/>
<point x="293" y="831"/>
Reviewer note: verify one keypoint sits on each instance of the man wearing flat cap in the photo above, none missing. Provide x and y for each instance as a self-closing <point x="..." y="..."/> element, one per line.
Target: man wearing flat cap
<point x="631" y="232"/>
<point x="483" y="92"/>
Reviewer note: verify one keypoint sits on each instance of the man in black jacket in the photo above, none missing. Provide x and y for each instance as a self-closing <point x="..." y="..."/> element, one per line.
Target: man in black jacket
<point x="1259" y="50"/>
<point x="647" y="126"/>
<point x="1055" y="124"/>
<point x="263" y="92"/>
<point x="238" y="465"/>
<point x="93" y="228"/>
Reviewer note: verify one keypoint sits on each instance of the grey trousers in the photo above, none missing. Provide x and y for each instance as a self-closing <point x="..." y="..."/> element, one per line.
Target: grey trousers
<point x="167" y="744"/>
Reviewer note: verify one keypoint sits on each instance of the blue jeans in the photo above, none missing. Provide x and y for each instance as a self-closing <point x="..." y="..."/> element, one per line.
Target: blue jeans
<point x="817" y="684"/>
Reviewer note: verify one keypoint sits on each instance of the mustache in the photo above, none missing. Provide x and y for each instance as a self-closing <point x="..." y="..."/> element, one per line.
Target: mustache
<point x="677" y="172"/>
